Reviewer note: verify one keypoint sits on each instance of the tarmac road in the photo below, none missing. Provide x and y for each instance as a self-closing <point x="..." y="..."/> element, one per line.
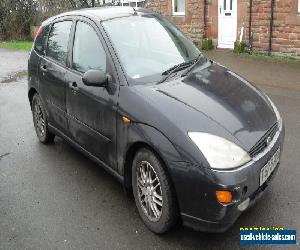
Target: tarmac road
<point x="52" y="197"/>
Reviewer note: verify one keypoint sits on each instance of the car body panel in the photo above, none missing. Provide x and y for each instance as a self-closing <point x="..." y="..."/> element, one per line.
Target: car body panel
<point x="199" y="191"/>
<point x="135" y="133"/>
<point x="52" y="89"/>
<point x="92" y="111"/>
<point x="238" y="107"/>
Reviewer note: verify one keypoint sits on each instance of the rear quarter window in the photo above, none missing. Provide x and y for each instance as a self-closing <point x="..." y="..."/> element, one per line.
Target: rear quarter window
<point x="40" y="42"/>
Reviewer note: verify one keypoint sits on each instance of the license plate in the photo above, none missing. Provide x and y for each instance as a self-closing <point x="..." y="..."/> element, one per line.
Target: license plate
<point x="268" y="169"/>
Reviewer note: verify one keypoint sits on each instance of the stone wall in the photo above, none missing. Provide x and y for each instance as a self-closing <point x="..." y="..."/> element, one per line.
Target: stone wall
<point x="192" y="23"/>
<point x="286" y="34"/>
<point x="286" y="30"/>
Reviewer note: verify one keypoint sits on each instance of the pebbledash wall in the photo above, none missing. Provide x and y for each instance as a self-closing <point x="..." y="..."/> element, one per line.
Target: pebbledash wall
<point x="200" y="19"/>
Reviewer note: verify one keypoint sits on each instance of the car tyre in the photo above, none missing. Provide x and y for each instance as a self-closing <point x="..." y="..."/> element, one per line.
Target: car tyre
<point x="153" y="192"/>
<point x="40" y="120"/>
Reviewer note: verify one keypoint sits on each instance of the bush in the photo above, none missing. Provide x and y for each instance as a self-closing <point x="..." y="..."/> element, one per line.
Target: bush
<point x="239" y="47"/>
<point x="15" y="19"/>
<point x="206" y="44"/>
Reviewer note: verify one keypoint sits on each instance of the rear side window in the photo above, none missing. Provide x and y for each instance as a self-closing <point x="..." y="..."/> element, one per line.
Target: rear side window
<point x="58" y="39"/>
<point x="88" y="52"/>
<point x="40" y="41"/>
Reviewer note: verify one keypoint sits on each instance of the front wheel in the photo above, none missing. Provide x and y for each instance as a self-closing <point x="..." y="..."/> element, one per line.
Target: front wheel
<point x="153" y="192"/>
<point x="40" y="121"/>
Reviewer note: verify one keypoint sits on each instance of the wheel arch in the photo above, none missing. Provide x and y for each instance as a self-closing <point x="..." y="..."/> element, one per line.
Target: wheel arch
<point x="130" y="154"/>
<point x="31" y="93"/>
<point x="154" y="141"/>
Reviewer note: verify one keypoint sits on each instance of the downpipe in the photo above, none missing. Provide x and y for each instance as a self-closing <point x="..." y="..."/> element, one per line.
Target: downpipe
<point x="271" y="27"/>
<point x="250" y="27"/>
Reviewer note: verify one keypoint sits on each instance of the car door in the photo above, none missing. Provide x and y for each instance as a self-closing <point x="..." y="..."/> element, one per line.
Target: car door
<point x="52" y="70"/>
<point x="92" y="110"/>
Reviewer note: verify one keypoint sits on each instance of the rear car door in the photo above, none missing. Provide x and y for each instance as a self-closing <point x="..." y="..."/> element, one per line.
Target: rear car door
<point x="52" y="70"/>
<point x="92" y="110"/>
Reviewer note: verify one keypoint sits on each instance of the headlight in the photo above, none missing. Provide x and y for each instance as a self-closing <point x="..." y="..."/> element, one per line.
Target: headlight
<point x="219" y="152"/>
<point x="279" y="119"/>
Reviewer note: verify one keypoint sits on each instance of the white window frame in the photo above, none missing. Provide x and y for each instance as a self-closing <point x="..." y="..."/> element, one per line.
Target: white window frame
<point x="178" y="13"/>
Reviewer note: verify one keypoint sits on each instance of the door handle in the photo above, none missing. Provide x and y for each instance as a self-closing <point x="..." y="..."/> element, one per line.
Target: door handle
<point x="73" y="85"/>
<point x="44" y="68"/>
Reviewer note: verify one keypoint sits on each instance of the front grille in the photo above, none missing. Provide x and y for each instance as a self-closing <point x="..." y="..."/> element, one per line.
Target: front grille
<point x="263" y="142"/>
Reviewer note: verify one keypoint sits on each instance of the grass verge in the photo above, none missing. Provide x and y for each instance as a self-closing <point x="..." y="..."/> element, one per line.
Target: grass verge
<point x="271" y="58"/>
<point x="19" y="45"/>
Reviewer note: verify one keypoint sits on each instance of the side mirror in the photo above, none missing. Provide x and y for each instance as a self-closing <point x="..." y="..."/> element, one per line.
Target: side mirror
<point x="96" y="78"/>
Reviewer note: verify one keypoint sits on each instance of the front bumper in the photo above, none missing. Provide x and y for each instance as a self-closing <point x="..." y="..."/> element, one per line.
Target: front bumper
<point x="199" y="207"/>
<point x="229" y="213"/>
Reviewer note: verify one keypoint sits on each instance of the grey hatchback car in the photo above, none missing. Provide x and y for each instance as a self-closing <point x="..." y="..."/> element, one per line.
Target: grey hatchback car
<point x="127" y="88"/>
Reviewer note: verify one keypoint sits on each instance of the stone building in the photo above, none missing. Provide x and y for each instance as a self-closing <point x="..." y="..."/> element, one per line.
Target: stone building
<point x="272" y="25"/>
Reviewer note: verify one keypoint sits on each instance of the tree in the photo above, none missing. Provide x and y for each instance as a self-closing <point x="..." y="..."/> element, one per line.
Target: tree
<point x="16" y="16"/>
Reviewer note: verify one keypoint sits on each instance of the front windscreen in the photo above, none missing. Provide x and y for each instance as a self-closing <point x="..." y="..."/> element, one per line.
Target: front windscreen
<point x="148" y="45"/>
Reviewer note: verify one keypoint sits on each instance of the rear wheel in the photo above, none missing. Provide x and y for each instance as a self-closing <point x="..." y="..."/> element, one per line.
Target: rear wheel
<point x="153" y="193"/>
<point x="40" y="120"/>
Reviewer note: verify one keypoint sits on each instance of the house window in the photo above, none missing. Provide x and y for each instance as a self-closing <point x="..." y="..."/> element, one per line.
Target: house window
<point x="178" y="7"/>
<point x="298" y="6"/>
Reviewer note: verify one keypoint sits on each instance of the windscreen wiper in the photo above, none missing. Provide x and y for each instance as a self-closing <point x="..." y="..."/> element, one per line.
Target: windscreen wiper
<point x="174" y="69"/>
<point x="193" y="65"/>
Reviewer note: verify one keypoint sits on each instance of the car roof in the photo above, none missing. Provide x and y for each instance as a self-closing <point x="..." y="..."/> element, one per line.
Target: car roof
<point x="103" y="13"/>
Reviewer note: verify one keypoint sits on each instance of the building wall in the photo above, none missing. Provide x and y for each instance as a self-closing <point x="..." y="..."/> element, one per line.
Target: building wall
<point x="243" y="18"/>
<point x="212" y="19"/>
<point x="286" y="30"/>
<point x="191" y="24"/>
<point x="286" y="34"/>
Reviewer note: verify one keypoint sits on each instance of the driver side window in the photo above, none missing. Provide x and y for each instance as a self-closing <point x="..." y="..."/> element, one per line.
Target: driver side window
<point x="88" y="52"/>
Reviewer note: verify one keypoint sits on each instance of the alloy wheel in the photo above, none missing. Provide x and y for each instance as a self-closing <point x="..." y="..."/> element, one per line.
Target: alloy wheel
<point x="149" y="191"/>
<point x="39" y="118"/>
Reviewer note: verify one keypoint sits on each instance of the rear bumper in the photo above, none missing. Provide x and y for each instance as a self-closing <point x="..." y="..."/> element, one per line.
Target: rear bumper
<point x="196" y="186"/>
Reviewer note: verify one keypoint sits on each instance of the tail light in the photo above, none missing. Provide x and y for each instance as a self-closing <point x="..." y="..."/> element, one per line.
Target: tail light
<point x="38" y="33"/>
